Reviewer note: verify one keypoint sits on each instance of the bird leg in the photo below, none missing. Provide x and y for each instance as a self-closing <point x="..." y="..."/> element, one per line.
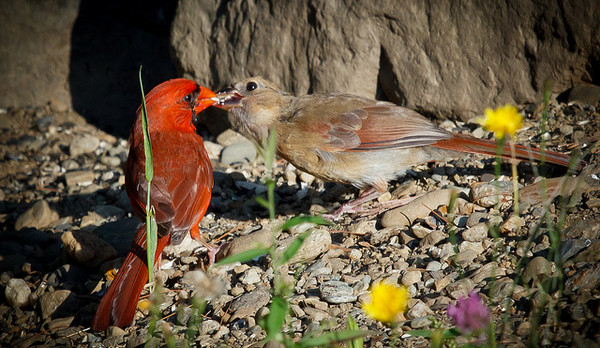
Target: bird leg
<point x="354" y="205"/>
<point x="211" y="250"/>
<point x="368" y="195"/>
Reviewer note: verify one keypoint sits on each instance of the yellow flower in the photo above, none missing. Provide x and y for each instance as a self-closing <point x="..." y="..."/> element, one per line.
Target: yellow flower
<point x="387" y="301"/>
<point x="504" y="120"/>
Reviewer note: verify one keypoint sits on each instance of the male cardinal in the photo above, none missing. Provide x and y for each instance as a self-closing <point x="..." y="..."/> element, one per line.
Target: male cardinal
<point x="180" y="190"/>
<point x="349" y="139"/>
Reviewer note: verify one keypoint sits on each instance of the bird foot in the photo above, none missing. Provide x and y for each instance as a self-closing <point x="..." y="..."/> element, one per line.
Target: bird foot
<point x="211" y="251"/>
<point x="377" y="209"/>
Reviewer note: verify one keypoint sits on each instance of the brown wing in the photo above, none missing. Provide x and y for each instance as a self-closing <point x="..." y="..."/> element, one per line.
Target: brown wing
<point x="181" y="184"/>
<point x="350" y="123"/>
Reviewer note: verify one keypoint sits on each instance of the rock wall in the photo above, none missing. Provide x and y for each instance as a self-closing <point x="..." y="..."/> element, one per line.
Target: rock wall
<point x="35" y="43"/>
<point x="448" y="58"/>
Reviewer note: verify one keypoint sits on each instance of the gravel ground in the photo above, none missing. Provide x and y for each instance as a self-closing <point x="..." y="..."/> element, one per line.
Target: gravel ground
<point x="66" y="222"/>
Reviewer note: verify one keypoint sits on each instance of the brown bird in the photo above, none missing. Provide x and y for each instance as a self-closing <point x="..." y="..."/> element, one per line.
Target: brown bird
<point x="350" y="139"/>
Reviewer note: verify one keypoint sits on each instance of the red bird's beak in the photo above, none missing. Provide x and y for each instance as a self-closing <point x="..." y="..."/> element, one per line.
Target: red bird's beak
<point x="228" y="98"/>
<point x="206" y="98"/>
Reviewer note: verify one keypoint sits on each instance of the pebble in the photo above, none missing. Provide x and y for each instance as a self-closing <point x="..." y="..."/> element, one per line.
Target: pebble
<point x="243" y="152"/>
<point x="79" y="178"/>
<point x="383" y="235"/>
<point x="488" y="194"/>
<point x="52" y="303"/>
<point x="213" y="150"/>
<point x="251" y="276"/>
<point x="411" y="278"/>
<point x="86" y="248"/>
<point x="230" y="137"/>
<point x="83" y="144"/>
<point x="418" y="310"/>
<point x="465" y="257"/>
<point x="512" y="224"/>
<point x="459" y="288"/>
<point x="476" y="233"/>
<point x="249" y="303"/>
<point x="39" y="216"/>
<point x="420" y="323"/>
<point x="434" y="266"/>
<point x="487" y="272"/>
<point x="420" y="231"/>
<point x="335" y="292"/>
<point x="433" y="238"/>
<point x="417" y="209"/>
<point x="317" y="242"/>
<point x="17" y="292"/>
<point x="538" y="266"/>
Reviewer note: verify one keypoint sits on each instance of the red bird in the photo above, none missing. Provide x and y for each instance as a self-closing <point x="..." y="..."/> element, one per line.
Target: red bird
<point x="180" y="191"/>
<point x="349" y="139"/>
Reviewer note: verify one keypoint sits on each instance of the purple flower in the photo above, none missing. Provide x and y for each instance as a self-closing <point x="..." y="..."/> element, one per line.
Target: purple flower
<point x="470" y="314"/>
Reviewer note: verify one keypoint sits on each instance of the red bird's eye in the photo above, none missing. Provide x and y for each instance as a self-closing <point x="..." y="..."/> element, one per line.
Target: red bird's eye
<point x="188" y="98"/>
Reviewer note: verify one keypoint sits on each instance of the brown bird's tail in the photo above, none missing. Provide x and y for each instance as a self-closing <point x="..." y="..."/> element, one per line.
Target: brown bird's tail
<point x="467" y="143"/>
<point x="118" y="305"/>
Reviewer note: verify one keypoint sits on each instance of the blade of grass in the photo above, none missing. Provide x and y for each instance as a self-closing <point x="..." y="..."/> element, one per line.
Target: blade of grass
<point x="244" y="256"/>
<point x="151" y="227"/>
<point x="297" y="220"/>
<point x="352" y="326"/>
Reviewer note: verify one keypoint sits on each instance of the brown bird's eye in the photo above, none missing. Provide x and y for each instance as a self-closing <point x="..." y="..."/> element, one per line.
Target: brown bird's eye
<point x="188" y="98"/>
<point x="250" y="86"/>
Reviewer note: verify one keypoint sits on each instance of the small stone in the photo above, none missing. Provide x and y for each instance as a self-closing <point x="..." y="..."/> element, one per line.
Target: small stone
<point x="213" y="150"/>
<point x="17" y="292"/>
<point x="87" y="249"/>
<point x="383" y="235"/>
<point x="60" y="323"/>
<point x="512" y="224"/>
<point x="317" y="242"/>
<point x="420" y="231"/>
<point x="39" y="216"/>
<point x="83" y="144"/>
<point x="306" y="178"/>
<point x="477" y="217"/>
<point x="243" y="152"/>
<point x="488" y="194"/>
<point x="433" y="238"/>
<point x="60" y="300"/>
<point x="538" y="266"/>
<point x="487" y="271"/>
<point x="460" y="288"/>
<point x="251" y="276"/>
<point x="411" y="278"/>
<point x="434" y="266"/>
<point x="209" y="327"/>
<point x="334" y="291"/>
<point x="419" y="310"/>
<point x="465" y="257"/>
<point x="79" y="178"/>
<point x="477" y="247"/>
<point x="249" y="303"/>
<point x="115" y="331"/>
<point x="420" y="323"/>
<point x="230" y="137"/>
<point x="476" y="233"/>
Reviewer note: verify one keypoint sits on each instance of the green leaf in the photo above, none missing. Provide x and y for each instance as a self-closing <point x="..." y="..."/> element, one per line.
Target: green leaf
<point x="352" y="326"/>
<point x="297" y="220"/>
<point x="448" y="333"/>
<point x="292" y="249"/>
<point x="147" y="144"/>
<point x="151" y="241"/>
<point x="151" y="228"/>
<point x="276" y="318"/>
<point x="244" y="256"/>
<point x="332" y="337"/>
<point x="262" y="201"/>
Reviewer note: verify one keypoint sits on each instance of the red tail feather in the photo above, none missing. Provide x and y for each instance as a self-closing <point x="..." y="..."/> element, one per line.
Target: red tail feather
<point x="467" y="143"/>
<point x="120" y="301"/>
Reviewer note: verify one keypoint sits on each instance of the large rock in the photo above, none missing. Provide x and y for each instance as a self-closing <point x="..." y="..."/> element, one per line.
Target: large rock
<point x="35" y="45"/>
<point x="451" y="58"/>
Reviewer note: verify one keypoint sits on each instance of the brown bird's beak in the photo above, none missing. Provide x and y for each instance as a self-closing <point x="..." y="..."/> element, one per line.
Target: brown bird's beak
<point x="228" y="98"/>
<point x="205" y="98"/>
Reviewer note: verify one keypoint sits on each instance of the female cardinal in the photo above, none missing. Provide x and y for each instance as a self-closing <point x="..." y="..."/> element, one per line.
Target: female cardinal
<point x="180" y="190"/>
<point x="349" y="139"/>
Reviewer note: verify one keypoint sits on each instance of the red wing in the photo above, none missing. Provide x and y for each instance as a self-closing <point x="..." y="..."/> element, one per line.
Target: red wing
<point x="379" y="128"/>
<point x="181" y="184"/>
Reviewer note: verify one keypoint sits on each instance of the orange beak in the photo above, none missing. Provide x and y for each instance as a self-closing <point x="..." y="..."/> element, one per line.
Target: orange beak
<point x="206" y="98"/>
